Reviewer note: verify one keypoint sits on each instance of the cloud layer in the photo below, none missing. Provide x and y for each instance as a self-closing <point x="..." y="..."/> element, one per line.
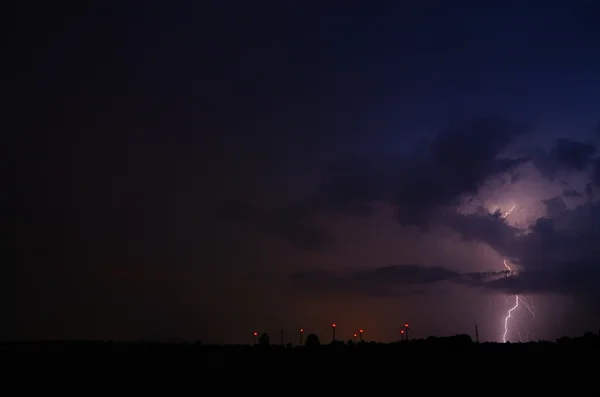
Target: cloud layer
<point x="389" y="281"/>
<point x="558" y="253"/>
<point x="459" y="160"/>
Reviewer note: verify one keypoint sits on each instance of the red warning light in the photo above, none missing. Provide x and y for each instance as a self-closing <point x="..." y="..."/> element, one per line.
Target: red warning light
<point x="301" y="329"/>
<point x="361" y="331"/>
<point x="355" y="335"/>
<point x="402" y="331"/>
<point x="256" y="333"/>
<point x="406" y="325"/>
<point x="333" y="325"/>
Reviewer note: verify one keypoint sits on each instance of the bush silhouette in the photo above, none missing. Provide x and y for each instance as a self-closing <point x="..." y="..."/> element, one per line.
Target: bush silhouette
<point x="312" y="340"/>
<point x="264" y="340"/>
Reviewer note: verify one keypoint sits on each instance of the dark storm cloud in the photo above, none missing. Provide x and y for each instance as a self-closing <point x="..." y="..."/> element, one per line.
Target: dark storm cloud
<point x="554" y="206"/>
<point x="571" y="156"/>
<point x="565" y="155"/>
<point x="589" y="191"/>
<point x="460" y="159"/>
<point x="483" y="226"/>
<point x="580" y="279"/>
<point x="388" y="281"/>
<point x="596" y="171"/>
<point x="571" y="193"/>
<point x="557" y="255"/>
<point x="576" y="155"/>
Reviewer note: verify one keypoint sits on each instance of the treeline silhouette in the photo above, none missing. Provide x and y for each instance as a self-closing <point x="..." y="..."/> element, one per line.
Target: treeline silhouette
<point x="432" y="344"/>
<point x="433" y="355"/>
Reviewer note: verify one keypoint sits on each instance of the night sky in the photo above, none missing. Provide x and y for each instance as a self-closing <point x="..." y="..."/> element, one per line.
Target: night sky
<point x="197" y="171"/>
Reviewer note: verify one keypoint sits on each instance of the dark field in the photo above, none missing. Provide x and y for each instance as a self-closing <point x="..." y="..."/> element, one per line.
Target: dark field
<point x="430" y="367"/>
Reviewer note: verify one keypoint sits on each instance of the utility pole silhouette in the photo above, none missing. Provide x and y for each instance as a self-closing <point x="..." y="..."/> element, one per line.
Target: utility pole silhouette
<point x="301" y="334"/>
<point x="333" y="331"/>
<point x="476" y="334"/>
<point x="406" y="331"/>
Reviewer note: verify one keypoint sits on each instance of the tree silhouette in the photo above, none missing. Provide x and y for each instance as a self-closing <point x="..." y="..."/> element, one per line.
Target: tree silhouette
<point x="264" y="340"/>
<point x="312" y="340"/>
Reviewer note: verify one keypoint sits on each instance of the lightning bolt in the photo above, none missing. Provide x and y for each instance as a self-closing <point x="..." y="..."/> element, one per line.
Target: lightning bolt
<point x="507" y="213"/>
<point x="508" y="316"/>
<point x="526" y="302"/>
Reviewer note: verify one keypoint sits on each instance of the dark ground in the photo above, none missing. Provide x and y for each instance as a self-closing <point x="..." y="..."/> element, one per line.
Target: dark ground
<point x="432" y="352"/>
<point x="443" y="365"/>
